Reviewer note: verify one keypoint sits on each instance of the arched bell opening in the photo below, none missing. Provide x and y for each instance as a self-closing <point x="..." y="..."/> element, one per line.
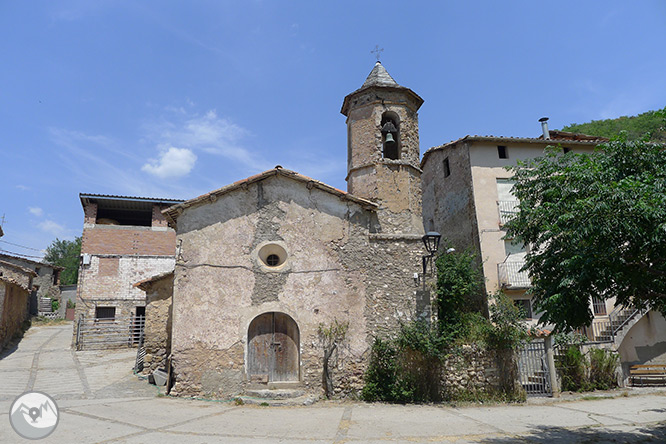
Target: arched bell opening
<point x="273" y="344"/>
<point x="390" y="127"/>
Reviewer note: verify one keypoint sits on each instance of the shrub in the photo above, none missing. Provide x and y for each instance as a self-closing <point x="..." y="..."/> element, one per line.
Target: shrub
<point x="55" y="305"/>
<point x="572" y="367"/>
<point x="603" y="364"/>
<point x="380" y="375"/>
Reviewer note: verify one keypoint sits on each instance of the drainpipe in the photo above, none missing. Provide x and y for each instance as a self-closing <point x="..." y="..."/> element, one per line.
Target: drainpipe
<point x="544" y="127"/>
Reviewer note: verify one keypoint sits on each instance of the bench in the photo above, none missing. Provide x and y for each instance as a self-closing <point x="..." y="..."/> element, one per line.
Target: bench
<point x="650" y="373"/>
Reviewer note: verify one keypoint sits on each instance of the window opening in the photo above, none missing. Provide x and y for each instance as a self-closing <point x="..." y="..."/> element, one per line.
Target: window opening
<point x="447" y="168"/>
<point x="566" y="149"/>
<point x="105" y="313"/>
<point x="599" y="306"/>
<point x="273" y="260"/>
<point x="502" y="152"/>
<point x="390" y="136"/>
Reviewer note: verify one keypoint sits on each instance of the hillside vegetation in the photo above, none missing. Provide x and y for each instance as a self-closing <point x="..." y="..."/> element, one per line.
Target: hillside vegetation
<point x="636" y="126"/>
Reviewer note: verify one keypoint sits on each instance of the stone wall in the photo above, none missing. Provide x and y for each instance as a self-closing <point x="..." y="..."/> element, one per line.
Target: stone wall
<point x="472" y="370"/>
<point x="108" y="282"/>
<point x="13" y="310"/>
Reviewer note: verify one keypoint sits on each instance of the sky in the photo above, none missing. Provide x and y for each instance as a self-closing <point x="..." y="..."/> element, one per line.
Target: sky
<point x="174" y="99"/>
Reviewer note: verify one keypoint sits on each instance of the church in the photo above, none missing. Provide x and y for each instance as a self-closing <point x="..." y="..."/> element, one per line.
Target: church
<point x="262" y="263"/>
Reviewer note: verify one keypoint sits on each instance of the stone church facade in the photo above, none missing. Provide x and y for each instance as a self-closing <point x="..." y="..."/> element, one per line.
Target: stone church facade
<point x="263" y="263"/>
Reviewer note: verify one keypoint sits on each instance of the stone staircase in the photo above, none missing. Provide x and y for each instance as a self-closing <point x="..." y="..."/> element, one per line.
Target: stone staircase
<point x="619" y="322"/>
<point x="278" y="394"/>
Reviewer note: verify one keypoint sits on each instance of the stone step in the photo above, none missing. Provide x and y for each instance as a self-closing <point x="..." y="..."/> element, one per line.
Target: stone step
<point x="301" y="400"/>
<point x="274" y="393"/>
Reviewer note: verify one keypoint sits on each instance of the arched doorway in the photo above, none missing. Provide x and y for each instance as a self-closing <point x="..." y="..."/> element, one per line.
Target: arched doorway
<point x="273" y="348"/>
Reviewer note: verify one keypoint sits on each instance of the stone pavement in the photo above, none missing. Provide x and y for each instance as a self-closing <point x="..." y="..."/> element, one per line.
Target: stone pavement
<point x="102" y="402"/>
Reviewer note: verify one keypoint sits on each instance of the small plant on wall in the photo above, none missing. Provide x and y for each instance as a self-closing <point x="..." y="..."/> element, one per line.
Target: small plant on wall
<point x="331" y="338"/>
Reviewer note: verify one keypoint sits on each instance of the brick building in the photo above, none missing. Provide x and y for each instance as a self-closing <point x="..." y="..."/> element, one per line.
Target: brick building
<point x="125" y="240"/>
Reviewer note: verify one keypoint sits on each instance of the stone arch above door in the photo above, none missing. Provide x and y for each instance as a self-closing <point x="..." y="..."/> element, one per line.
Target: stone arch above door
<point x="273" y="348"/>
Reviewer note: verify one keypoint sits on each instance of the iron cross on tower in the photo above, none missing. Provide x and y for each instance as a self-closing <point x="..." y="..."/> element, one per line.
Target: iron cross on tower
<point x="377" y="52"/>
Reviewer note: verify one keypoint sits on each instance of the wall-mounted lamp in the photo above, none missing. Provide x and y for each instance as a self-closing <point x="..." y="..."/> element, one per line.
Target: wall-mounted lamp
<point x="431" y="241"/>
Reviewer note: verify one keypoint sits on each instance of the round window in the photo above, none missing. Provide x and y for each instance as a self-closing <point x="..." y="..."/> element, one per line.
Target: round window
<point x="272" y="255"/>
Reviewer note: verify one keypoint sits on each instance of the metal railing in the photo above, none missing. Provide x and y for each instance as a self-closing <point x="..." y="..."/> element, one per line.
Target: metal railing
<point x="507" y="209"/>
<point x="109" y="333"/>
<point x="511" y="277"/>
<point x="606" y="329"/>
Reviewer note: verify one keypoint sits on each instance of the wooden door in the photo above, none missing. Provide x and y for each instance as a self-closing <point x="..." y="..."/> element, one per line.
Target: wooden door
<point x="273" y="348"/>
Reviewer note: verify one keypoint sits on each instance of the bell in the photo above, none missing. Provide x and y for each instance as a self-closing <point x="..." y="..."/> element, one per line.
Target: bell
<point x="389" y="139"/>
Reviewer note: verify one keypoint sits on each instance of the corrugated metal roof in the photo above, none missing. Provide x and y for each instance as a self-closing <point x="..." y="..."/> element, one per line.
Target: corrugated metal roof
<point x="109" y="201"/>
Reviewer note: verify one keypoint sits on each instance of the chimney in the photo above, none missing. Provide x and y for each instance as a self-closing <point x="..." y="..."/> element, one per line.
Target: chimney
<point x="544" y="127"/>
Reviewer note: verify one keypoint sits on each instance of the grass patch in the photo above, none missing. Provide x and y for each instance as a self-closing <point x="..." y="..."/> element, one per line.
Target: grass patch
<point x="41" y="321"/>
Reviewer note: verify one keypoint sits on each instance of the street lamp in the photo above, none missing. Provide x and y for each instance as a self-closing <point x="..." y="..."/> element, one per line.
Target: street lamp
<point x="431" y="241"/>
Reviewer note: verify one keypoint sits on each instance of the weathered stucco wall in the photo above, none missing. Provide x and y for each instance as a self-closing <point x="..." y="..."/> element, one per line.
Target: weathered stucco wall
<point x="157" y="330"/>
<point x="645" y="342"/>
<point x="333" y="271"/>
<point x="448" y="202"/>
<point x="395" y="184"/>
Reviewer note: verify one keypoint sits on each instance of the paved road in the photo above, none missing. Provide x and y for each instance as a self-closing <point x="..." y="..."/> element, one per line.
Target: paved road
<point x="102" y="402"/>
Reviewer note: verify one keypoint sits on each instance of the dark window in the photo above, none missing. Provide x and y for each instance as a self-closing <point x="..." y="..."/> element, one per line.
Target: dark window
<point x="599" y="306"/>
<point x="37" y="270"/>
<point x="56" y="277"/>
<point x="566" y="150"/>
<point x="525" y="307"/>
<point x="105" y="313"/>
<point x="273" y="260"/>
<point x="502" y="152"/>
<point x="447" y="168"/>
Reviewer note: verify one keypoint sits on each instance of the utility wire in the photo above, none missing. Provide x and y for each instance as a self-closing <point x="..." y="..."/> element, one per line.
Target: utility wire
<point x="22" y="246"/>
<point x="19" y="254"/>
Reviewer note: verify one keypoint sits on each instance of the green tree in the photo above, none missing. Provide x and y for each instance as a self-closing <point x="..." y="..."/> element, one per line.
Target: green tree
<point x="460" y="290"/>
<point x="596" y="226"/>
<point x="64" y="253"/>
<point x="649" y="124"/>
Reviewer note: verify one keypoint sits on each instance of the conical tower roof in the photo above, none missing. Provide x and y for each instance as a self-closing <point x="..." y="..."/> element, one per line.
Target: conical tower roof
<point x="379" y="77"/>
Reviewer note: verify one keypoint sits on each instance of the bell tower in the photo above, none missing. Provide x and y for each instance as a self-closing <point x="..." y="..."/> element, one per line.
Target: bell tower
<point x="383" y="151"/>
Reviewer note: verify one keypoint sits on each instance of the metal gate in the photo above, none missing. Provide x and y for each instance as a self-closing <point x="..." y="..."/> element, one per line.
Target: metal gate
<point x="533" y="369"/>
<point x="116" y="332"/>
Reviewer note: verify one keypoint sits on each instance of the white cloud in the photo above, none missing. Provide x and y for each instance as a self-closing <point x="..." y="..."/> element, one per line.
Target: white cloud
<point x="22" y="187"/>
<point x="208" y="133"/>
<point x="53" y="228"/>
<point x="174" y="162"/>
<point x="36" y="211"/>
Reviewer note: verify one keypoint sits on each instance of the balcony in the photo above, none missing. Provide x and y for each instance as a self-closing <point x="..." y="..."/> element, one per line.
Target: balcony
<point x="510" y="276"/>
<point x="507" y="209"/>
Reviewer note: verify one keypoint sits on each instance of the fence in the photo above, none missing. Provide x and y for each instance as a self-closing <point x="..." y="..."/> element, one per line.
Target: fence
<point x="533" y="369"/>
<point x="109" y="333"/>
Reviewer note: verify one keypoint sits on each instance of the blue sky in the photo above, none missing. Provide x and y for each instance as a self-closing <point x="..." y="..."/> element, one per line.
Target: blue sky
<point x="174" y="99"/>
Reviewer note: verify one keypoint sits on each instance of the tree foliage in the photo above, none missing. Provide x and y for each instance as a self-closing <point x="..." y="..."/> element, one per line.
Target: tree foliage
<point x="596" y="226"/>
<point x="637" y="127"/>
<point x="64" y="253"/>
<point x="459" y="288"/>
